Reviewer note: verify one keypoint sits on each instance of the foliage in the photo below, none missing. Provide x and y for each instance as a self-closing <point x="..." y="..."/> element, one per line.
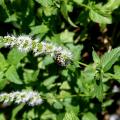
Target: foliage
<point x="81" y="89"/>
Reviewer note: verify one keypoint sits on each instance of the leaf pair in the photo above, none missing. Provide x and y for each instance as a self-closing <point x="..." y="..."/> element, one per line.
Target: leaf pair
<point x="102" y="13"/>
<point x="108" y="59"/>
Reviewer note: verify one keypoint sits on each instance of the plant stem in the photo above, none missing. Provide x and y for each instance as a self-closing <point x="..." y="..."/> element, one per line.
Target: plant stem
<point x="64" y="97"/>
<point x="83" y="5"/>
<point x="83" y="64"/>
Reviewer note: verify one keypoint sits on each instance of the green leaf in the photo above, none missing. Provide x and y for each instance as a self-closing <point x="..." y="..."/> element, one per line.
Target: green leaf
<point x="1" y="75"/>
<point x="99" y="18"/>
<point x="64" y="12"/>
<point x="117" y="70"/>
<point x="30" y="75"/>
<point x="60" y="116"/>
<point x="50" y="80"/>
<point x="12" y="75"/>
<point x="15" y="111"/>
<point x="89" y="116"/>
<point x="70" y="116"/>
<point x="48" y="115"/>
<point x="86" y="80"/>
<point x="65" y="94"/>
<point x="69" y="107"/>
<point x="11" y="18"/>
<point x="65" y="85"/>
<point x="45" y="3"/>
<point x="50" y="10"/>
<point x="3" y="63"/>
<point x="112" y="4"/>
<point x="30" y="115"/>
<point x="78" y="1"/>
<point x="58" y="105"/>
<point x="95" y="57"/>
<point x="116" y="74"/>
<point x="2" y="117"/>
<point x="3" y="81"/>
<point x="98" y="91"/>
<point x="109" y="58"/>
<point x="40" y="29"/>
<point x="107" y="103"/>
<point x="100" y="15"/>
<point x="48" y="60"/>
<point x="2" y="2"/>
<point x="66" y="36"/>
<point x="1" y="42"/>
<point x="15" y="56"/>
<point x="108" y="76"/>
<point x="76" y="51"/>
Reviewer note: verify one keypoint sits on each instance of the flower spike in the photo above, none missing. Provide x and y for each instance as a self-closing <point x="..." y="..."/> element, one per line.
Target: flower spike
<point x="32" y="98"/>
<point x="25" y="44"/>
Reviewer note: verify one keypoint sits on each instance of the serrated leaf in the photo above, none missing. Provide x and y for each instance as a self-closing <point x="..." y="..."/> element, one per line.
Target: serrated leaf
<point x="100" y="18"/>
<point x="89" y="116"/>
<point x="112" y="4"/>
<point x="30" y="75"/>
<point x="98" y="91"/>
<point x="47" y="115"/>
<point x="3" y="63"/>
<point x="76" y="51"/>
<point x="12" y="75"/>
<point x="70" y="116"/>
<point x="50" y="10"/>
<point x="64" y="94"/>
<point x="58" y="105"/>
<point x="66" y="36"/>
<point x="48" y="60"/>
<point x="65" y="85"/>
<point x="96" y="58"/>
<point x="50" y="80"/>
<point x="109" y="58"/>
<point x="15" y="56"/>
<point x="40" y="29"/>
<point x="116" y="74"/>
<point x="70" y="107"/>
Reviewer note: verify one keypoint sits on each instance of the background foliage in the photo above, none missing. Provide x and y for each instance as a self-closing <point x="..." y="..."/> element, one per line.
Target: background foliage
<point x="83" y="89"/>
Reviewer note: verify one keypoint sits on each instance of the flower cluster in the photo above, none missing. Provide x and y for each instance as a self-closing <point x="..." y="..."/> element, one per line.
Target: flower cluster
<point x="32" y="98"/>
<point x="25" y="44"/>
<point x="63" y="57"/>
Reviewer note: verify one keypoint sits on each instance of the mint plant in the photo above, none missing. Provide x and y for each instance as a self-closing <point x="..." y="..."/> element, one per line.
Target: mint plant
<point x="59" y="59"/>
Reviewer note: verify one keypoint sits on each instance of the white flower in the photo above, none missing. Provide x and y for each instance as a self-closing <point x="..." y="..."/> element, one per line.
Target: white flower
<point x="24" y="43"/>
<point x="38" y="49"/>
<point x="32" y="98"/>
<point x="62" y="56"/>
<point x="10" y="41"/>
<point x="35" y="100"/>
